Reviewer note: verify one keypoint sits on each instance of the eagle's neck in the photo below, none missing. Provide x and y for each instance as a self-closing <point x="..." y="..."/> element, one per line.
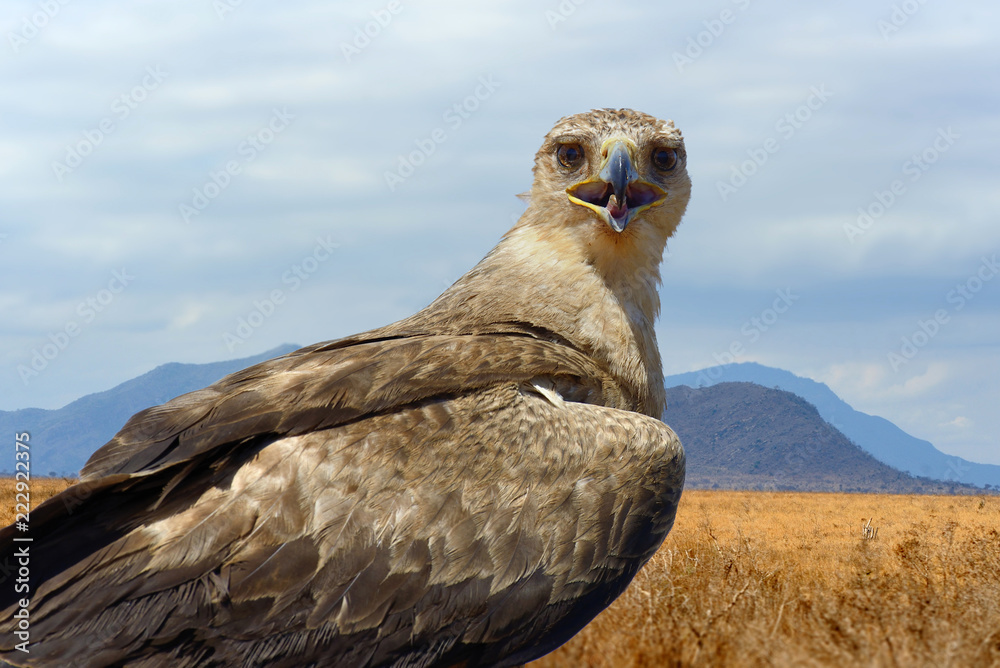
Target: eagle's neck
<point x="599" y="294"/>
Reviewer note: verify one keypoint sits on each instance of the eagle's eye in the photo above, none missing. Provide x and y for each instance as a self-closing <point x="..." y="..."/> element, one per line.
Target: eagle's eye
<point x="664" y="159"/>
<point x="570" y="155"/>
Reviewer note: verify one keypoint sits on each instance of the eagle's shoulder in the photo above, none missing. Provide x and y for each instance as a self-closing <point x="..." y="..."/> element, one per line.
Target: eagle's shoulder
<point x="332" y="383"/>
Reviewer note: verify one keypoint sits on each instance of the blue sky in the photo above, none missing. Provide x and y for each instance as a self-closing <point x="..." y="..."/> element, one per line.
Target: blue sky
<point x="196" y="181"/>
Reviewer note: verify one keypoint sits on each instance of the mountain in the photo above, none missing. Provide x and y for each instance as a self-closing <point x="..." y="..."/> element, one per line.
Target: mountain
<point x="887" y="442"/>
<point x="62" y="440"/>
<point x="745" y="436"/>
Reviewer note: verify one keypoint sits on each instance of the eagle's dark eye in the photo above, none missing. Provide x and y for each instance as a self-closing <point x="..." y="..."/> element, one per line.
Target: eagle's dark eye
<point x="664" y="158"/>
<point x="570" y="155"/>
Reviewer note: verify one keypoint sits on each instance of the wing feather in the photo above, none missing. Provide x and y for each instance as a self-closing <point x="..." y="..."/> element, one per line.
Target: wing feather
<point x="324" y="388"/>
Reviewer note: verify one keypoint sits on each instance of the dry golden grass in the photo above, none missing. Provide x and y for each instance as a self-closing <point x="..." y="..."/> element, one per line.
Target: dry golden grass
<point x="39" y="490"/>
<point x="785" y="579"/>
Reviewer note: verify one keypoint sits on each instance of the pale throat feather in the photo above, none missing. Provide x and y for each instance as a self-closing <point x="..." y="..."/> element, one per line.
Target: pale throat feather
<point x="609" y="312"/>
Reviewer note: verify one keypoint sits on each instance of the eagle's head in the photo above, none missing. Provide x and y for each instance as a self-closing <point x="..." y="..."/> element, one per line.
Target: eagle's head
<point x="613" y="174"/>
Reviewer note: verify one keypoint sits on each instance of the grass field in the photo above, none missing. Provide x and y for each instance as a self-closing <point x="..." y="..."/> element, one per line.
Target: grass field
<point x="39" y="490"/>
<point x="786" y="579"/>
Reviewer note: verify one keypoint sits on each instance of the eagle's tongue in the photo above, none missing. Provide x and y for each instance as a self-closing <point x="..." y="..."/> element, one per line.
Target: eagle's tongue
<point x="617" y="210"/>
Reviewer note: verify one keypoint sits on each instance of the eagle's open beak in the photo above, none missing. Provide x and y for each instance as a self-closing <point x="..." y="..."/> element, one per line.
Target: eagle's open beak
<point x="617" y="194"/>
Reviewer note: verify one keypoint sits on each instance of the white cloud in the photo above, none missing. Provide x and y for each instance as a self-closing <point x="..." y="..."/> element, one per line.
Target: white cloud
<point x="921" y="383"/>
<point x="857" y="381"/>
<point x="960" y="422"/>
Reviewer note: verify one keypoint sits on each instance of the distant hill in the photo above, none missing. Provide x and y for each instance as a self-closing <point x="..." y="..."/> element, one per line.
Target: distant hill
<point x="62" y="440"/>
<point x="887" y="442"/>
<point x="745" y="436"/>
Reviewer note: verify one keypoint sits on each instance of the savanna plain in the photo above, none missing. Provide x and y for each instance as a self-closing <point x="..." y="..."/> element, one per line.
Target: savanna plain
<point x="792" y="579"/>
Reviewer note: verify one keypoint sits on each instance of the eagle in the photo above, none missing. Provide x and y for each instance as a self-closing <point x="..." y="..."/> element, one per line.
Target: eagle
<point x="469" y="486"/>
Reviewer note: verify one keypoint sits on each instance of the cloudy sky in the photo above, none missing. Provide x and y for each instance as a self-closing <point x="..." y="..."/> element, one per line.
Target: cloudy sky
<point x="197" y="181"/>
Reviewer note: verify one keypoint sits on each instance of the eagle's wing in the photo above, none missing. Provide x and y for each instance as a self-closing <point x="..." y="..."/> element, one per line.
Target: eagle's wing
<point x="326" y="385"/>
<point x="406" y="501"/>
